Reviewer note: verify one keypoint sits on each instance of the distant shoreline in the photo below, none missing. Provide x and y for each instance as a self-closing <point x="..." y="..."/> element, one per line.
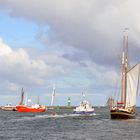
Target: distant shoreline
<point x="61" y="107"/>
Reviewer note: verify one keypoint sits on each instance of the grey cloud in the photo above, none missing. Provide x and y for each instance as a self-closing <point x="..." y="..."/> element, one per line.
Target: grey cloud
<point x="93" y="26"/>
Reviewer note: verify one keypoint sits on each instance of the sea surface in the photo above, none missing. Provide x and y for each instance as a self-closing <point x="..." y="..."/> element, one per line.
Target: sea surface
<point x="66" y="126"/>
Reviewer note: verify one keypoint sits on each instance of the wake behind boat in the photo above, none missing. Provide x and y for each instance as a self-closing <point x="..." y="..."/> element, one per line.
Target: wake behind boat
<point x="84" y="108"/>
<point x="125" y="108"/>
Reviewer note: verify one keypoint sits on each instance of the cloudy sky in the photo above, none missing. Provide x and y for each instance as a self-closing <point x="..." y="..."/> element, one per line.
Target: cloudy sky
<point x="75" y="44"/>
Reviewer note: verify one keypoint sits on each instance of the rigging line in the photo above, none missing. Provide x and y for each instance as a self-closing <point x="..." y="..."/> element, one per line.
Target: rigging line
<point x="118" y="79"/>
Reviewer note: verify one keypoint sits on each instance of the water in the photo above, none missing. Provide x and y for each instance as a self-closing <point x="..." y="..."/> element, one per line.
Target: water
<point x="66" y="126"/>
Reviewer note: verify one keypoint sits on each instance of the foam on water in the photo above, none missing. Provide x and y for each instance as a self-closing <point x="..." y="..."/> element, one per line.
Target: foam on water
<point x="67" y="126"/>
<point x="48" y="116"/>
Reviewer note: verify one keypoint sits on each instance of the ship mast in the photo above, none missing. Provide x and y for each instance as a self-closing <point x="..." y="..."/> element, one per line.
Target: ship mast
<point x="124" y="68"/>
<point x="22" y="97"/>
<point x="38" y="100"/>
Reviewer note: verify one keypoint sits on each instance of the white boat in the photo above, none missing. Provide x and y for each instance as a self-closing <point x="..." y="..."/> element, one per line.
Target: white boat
<point x="9" y="107"/>
<point x="125" y="105"/>
<point x="84" y="108"/>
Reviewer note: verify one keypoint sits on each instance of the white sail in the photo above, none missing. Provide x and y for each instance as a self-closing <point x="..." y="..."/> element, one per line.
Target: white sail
<point x="132" y="85"/>
<point x="53" y="95"/>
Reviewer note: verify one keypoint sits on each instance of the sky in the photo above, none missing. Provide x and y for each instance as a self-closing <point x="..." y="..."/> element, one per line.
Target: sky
<point x="75" y="44"/>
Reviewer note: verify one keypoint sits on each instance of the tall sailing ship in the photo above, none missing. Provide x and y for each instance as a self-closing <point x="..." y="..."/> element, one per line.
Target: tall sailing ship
<point x="125" y="106"/>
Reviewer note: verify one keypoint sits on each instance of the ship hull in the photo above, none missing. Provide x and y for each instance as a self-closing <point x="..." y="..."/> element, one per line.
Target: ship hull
<point x="30" y="109"/>
<point x="121" y="114"/>
<point x="12" y="108"/>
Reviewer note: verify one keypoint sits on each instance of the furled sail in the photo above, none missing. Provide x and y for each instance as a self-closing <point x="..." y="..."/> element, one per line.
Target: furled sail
<point x="132" y="85"/>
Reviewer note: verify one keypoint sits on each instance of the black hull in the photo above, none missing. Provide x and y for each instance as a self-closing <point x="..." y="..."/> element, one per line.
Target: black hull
<point x="120" y="114"/>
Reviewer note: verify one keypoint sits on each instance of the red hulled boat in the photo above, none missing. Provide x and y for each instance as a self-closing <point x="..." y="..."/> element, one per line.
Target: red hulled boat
<point x="34" y="108"/>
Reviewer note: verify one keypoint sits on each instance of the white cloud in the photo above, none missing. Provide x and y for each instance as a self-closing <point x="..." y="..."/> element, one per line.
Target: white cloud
<point x="18" y="67"/>
<point x="5" y="49"/>
<point x="94" y="26"/>
<point x="83" y="41"/>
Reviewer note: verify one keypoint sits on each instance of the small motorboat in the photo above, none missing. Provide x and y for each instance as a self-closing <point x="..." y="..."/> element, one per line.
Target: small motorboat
<point x="84" y="108"/>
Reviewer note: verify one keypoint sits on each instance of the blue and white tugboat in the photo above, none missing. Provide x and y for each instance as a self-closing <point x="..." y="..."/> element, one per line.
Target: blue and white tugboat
<point x="84" y="108"/>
